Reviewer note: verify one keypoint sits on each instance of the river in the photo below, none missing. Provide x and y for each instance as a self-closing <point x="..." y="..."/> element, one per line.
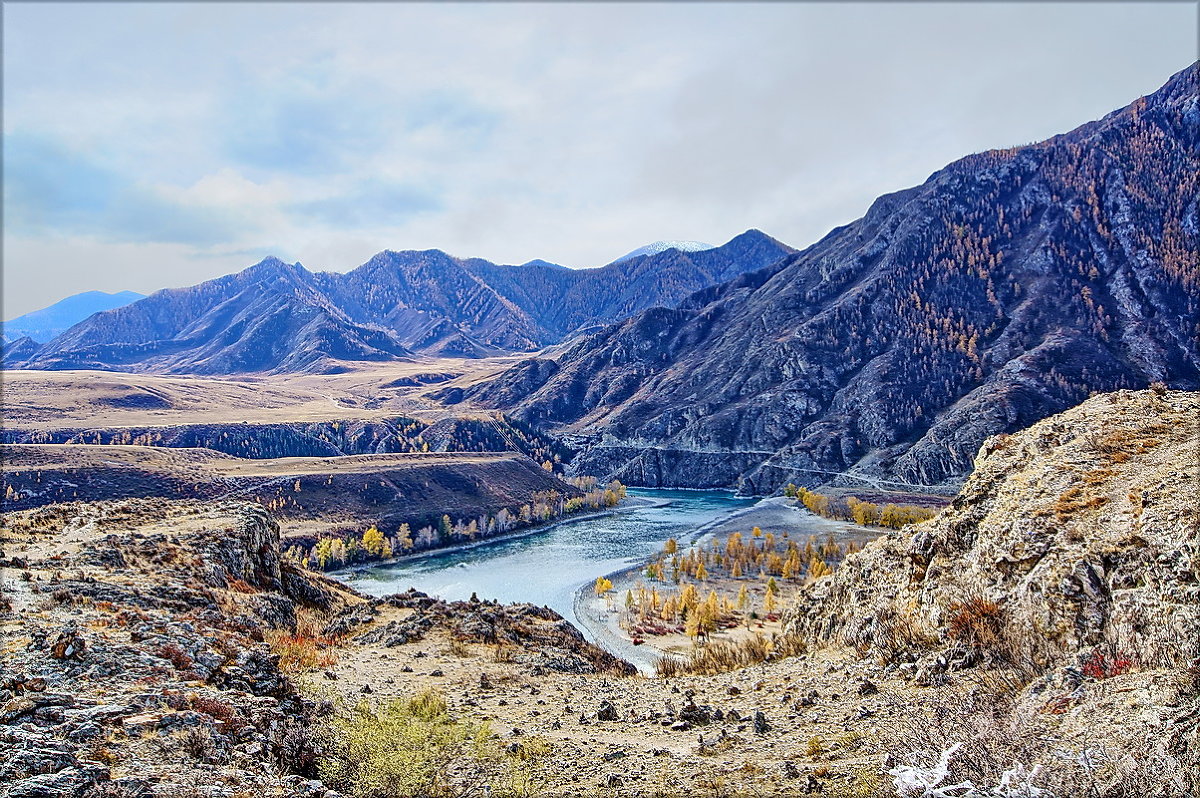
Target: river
<point x="548" y="567"/>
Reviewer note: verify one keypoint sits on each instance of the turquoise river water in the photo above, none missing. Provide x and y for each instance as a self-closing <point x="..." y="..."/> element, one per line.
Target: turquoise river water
<point x="549" y="566"/>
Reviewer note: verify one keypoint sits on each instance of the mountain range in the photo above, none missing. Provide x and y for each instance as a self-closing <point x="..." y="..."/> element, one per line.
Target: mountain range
<point x="1011" y="285"/>
<point x="280" y="317"/>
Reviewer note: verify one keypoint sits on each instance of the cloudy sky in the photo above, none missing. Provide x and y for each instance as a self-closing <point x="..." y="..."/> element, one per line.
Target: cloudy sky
<point x="153" y="145"/>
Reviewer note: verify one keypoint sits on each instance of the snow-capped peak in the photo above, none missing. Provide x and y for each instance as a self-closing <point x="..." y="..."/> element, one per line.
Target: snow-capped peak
<point x="663" y="246"/>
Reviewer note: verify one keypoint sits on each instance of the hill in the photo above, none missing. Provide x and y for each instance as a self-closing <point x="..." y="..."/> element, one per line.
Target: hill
<point x="1009" y="286"/>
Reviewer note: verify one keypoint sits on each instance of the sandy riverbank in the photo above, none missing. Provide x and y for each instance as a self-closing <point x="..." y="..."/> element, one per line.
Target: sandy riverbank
<point x="600" y="617"/>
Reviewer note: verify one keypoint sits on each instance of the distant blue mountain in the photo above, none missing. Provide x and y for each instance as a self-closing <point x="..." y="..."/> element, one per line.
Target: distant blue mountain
<point x="42" y="325"/>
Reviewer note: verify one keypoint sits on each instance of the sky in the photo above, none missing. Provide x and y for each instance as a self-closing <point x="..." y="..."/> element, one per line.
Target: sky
<point x="155" y="145"/>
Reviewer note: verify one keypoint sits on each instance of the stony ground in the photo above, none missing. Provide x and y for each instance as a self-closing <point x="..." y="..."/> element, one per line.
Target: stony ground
<point x="131" y="653"/>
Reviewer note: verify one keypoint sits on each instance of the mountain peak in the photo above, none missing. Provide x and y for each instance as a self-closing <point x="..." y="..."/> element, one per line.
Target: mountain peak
<point x="663" y="246"/>
<point x="272" y="265"/>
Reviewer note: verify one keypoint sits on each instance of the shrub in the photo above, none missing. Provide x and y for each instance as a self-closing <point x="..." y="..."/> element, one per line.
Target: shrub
<point x="176" y="655"/>
<point x="306" y="648"/>
<point x="299" y="653"/>
<point x="1102" y="666"/>
<point x="978" y="623"/>
<point x="396" y="748"/>
<point x="898" y="634"/>
<point x="231" y="720"/>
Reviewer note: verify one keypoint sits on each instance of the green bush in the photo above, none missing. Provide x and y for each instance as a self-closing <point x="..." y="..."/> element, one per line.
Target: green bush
<point x="400" y="747"/>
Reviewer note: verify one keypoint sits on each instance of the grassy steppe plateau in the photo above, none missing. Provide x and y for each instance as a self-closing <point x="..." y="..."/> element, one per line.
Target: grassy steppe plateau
<point x="45" y="400"/>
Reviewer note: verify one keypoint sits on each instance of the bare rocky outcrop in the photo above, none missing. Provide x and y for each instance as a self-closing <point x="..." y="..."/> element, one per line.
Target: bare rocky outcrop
<point x="1082" y="531"/>
<point x="141" y="644"/>
<point x="1065" y="574"/>
<point x="134" y="661"/>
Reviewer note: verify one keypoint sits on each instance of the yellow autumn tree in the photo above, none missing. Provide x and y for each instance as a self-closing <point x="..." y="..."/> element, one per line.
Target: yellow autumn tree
<point x="373" y="541"/>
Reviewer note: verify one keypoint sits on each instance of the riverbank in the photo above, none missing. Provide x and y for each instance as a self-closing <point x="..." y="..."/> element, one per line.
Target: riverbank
<point x="628" y="504"/>
<point x="599" y="617"/>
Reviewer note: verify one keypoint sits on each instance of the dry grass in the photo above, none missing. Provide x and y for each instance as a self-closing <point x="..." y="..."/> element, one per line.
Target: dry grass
<point x="307" y="648"/>
<point x="899" y="635"/>
<point x="994" y="733"/>
<point x="724" y="656"/>
<point x="977" y="622"/>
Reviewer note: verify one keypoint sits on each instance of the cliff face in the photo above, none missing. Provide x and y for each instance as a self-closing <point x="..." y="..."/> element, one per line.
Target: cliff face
<point x="1079" y="534"/>
<point x="1010" y="286"/>
<point x="343" y="493"/>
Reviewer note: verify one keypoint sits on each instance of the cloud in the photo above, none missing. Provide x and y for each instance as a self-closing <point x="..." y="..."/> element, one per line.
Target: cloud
<point x="367" y="205"/>
<point x="569" y="132"/>
<point x="52" y="190"/>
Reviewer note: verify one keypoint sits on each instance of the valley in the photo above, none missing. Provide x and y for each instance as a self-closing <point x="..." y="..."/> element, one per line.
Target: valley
<point x="732" y="520"/>
<point x="152" y="609"/>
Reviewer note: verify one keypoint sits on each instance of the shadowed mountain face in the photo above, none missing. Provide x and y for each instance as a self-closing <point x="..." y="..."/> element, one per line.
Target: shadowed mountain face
<point x="272" y="316"/>
<point x="1008" y="287"/>
<point x="280" y="317"/>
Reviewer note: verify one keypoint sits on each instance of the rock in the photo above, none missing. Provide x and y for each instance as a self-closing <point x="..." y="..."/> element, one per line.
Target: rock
<point x="15" y="708"/>
<point x="760" y="723"/>
<point x="790" y="771"/>
<point x="87" y="731"/>
<point x="606" y="711"/>
<point x="71" y="782"/>
<point x="867" y="687"/>
<point x="696" y="715"/>
<point x="68" y="644"/>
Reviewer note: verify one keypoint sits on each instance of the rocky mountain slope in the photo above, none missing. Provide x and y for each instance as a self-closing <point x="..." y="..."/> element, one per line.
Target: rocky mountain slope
<point x="158" y="648"/>
<point x="1009" y="286"/>
<point x="1074" y="545"/>
<point x="280" y="317"/>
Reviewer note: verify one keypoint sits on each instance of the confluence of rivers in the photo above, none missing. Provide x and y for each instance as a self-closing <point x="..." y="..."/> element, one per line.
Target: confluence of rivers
<point x="550" y="567"/>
